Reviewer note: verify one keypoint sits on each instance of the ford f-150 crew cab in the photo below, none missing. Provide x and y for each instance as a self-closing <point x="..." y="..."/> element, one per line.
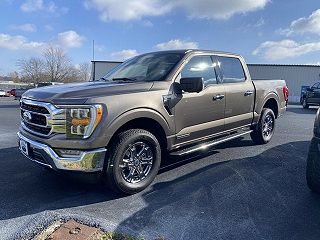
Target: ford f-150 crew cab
<point x="175" y="102"/>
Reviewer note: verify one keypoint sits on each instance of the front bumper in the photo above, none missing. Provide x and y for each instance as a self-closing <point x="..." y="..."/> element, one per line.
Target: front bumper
<point x="87" y="161"/>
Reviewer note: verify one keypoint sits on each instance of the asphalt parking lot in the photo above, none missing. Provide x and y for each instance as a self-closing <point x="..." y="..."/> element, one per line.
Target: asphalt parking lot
<point x="237" y="191"/>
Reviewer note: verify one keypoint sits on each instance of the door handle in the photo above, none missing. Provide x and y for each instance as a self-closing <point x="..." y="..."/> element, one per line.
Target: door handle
<point x="218" y="97"/>
<point x="248" y="93"/>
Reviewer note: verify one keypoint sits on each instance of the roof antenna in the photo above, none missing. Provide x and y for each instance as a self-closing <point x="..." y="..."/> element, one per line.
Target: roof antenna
<point x="92" y="50"/>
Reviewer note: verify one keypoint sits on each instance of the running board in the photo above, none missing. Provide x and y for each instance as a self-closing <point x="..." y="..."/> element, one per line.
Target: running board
<point x="204" y="146"/>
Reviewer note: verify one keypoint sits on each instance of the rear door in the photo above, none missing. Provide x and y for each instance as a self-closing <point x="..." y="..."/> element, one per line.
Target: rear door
<point x="201" y="114"/>
<point x="240" y="92"/>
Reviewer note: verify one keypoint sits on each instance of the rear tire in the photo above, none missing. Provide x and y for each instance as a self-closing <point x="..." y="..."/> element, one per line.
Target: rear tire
<point x="313" y="167"/>
<point x="305" y="103"/>
<point x="264" y="130"/>
<point x="133" y="161"/>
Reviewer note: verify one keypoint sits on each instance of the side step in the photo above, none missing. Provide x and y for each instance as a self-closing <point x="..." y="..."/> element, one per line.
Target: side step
<point x="205" y="145"/>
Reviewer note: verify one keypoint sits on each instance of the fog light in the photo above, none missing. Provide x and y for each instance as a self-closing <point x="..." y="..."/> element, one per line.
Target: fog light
<point x="68" y="152"/>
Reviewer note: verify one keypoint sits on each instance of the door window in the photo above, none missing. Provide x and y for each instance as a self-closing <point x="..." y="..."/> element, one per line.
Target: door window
<point x="231" y="70"/>
<point x="315" y="86"/>
<point x="200" y="66"/>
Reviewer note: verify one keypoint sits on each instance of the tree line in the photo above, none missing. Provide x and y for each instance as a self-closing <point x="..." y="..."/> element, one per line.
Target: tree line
<point x="54" y="65"/>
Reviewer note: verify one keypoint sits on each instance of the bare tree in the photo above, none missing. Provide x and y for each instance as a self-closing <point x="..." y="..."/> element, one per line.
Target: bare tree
<point x="57" y="64"/>
<point x="73" y="75"/>
<point x="32" y="70"/>
<point x="84" y="72"/>
<point x="14" y="76"/>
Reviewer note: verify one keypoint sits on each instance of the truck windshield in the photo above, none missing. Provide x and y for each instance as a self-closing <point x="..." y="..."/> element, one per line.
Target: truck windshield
<point x="147" y="67"/>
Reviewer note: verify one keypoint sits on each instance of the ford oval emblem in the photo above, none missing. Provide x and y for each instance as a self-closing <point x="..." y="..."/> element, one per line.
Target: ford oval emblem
<point x="27" y="116"/>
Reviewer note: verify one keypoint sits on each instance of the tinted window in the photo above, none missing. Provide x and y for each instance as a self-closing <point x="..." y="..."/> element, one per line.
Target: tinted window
<point x="231" y="70"/>
<point x="200" y="66"/>
<point x="147" y="67"/>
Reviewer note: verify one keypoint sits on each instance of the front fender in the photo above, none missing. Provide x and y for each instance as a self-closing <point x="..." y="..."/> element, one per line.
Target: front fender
<point x="166" y="124"/>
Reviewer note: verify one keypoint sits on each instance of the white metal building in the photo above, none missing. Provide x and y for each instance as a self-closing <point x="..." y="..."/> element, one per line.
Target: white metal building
<point x="295" y="76"/>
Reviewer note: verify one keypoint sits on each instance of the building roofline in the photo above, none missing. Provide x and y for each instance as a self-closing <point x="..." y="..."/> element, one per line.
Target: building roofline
<point x="283" y="65"/>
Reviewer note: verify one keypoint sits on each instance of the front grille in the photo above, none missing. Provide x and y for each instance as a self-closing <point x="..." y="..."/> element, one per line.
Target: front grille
<point x="36" y="118"/>
<point x="41" y="118"/>
<point x="37" y="129"/>
<point x="34" y="108"/>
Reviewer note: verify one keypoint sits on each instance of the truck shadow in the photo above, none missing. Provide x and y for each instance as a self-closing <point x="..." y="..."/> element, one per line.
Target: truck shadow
<point x="25" y="182"/>
<point x="27" y="188"/>
<point x="261" y="197"/>
<point x="264" y="196"/>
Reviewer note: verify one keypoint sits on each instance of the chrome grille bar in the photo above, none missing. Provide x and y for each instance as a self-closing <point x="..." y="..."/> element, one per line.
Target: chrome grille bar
<point x="33" y="114"/>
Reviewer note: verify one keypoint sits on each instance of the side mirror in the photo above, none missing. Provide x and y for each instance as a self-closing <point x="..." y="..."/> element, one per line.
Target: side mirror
<point x="192" y="84"/>
<point x="310" y="89"/>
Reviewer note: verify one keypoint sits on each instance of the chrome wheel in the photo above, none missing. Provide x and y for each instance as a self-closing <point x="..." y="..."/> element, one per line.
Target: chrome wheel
<point x="137" y="162"/>
<point x="267" y="127"/>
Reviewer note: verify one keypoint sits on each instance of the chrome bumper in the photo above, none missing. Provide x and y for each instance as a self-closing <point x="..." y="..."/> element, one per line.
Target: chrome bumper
<point x="88" y="161"/>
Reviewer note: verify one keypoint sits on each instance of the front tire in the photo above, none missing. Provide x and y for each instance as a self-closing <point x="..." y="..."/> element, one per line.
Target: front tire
<point x="133" y="161"/>
<point x="264" y="130"/>
<point x="305" y="103"/>
<point x="313" y="167"/>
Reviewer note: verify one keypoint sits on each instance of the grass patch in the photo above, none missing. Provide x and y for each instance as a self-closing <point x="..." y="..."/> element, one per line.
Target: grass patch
<point x="118" y="236"/>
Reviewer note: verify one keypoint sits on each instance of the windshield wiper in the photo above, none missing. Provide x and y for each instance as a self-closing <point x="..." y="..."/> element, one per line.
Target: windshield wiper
<point x="123" y="79"/>
<point x="104" y="79"/>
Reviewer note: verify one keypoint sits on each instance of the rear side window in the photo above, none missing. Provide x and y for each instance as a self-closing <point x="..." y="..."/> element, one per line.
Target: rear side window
<point x="200" y="66"/>
<point x="316" y="85"/>
<point x="231" y="70"/>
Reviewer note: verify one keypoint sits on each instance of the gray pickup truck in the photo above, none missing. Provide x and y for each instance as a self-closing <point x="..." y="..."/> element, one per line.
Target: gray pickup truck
<point x="172" y="102"/>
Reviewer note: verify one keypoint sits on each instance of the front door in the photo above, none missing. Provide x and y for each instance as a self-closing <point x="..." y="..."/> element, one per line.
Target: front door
<point x="201" y="114"/>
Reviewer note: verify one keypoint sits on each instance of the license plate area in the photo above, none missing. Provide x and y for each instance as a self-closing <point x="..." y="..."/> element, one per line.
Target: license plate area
<point x="24" y="147"/>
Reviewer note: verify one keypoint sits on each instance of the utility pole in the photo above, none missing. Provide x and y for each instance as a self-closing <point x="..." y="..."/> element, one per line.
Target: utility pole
<point x="93" y="63"/>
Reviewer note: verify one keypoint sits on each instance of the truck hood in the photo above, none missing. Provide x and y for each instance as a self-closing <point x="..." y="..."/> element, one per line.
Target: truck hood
<point x="79" y="93"/>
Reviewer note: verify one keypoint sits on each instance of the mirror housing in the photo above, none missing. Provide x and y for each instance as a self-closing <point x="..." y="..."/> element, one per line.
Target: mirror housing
<point x="191" y="84"/>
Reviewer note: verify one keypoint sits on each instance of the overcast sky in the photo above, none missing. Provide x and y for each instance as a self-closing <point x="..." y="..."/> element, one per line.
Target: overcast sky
<point x="263" y="31"/>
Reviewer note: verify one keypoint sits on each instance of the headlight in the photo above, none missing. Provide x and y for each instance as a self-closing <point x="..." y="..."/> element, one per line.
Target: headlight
<point x="81" y="121"/>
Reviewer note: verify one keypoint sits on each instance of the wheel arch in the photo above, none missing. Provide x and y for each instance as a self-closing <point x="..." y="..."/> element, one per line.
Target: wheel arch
<point x="146" y="119"/>
<point x="270" y="101"/>
<point x="272" y="104"/>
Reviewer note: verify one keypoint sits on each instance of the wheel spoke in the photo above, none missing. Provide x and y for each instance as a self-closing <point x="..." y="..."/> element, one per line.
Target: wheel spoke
<point x="140" y="172"/>
<point x="131" y="174"/>
<point x="146" y="161"/>
<point x="143" y="150"/>
<point x="133" y="151"/>
<point x="126" y="164"/>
